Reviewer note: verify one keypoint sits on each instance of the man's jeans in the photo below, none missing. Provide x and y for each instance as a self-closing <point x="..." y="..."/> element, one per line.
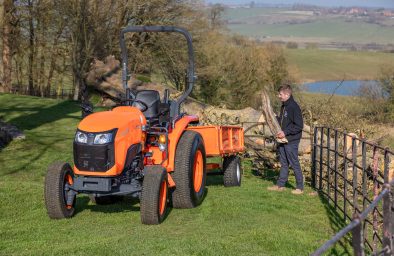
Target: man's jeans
<point x="288" y="156"/>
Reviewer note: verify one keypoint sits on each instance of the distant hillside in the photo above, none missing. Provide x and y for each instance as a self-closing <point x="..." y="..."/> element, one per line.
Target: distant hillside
<point x="318" y="65"/>
<point x="329" y="3"/>
<point x="281" y="24"/>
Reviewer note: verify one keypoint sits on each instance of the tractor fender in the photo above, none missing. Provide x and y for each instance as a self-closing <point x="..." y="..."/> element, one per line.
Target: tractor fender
<point x="173" y="138"/>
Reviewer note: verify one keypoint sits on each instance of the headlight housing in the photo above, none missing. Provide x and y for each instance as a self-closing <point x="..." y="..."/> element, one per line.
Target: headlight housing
<point x="81" y="137"/>
<point x="94" y="138"/>
<point x="103" y="138"/>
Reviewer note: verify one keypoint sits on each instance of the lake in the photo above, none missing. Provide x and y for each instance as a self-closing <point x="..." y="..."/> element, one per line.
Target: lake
<point x="347" y="88"/>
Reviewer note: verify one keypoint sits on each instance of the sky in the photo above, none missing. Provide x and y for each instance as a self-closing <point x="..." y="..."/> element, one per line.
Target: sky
<point x="361" y="3"/>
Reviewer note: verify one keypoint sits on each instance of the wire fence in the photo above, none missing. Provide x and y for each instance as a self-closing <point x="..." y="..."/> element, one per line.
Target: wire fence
<point x="58" y="93"/>
<point x="355" y="177"/>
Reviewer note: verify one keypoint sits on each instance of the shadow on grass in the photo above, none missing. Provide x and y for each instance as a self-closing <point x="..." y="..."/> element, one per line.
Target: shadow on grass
<point x="270" y="175"/>
<point x="337" y="223"/>
<point x="127" y="204"/>
<point x="42" y="115"/>
<point x="33" y="155"/>
<point x="214" y="180"/>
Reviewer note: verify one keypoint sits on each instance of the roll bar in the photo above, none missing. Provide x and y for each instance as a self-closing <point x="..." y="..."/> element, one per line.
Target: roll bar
<point x="167" y="29"/>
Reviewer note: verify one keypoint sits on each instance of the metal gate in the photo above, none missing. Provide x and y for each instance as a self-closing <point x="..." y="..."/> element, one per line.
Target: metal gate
<point x="356" y="176"/>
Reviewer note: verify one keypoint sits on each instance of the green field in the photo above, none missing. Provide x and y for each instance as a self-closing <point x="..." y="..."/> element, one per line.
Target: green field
<point x="247" y="220"/>
<point x="321" y="65"/>
<point x="282" y="24"/>
<point x="324" y="31"/>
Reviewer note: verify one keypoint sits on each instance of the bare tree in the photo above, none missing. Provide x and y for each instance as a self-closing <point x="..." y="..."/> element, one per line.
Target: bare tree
<point x="8" y="27"/>
<point x="31" y="47"/>
<point x="215" y="15"/>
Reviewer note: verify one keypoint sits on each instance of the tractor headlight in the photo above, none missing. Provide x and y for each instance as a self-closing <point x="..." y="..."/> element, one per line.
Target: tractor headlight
<point x="81" y="137"/>
<point x="103" y="138"/>
<point x="162" y="142"/>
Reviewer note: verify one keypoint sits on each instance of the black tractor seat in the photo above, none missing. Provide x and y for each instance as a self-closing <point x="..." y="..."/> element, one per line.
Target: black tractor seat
<point x="152" y="100"/>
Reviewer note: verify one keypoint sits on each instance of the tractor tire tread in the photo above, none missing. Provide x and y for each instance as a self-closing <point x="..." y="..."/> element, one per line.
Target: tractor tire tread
<point x="150" y="196"/>
<point x="230" y="177"/>
<point x="181" y="196"/>
<point x="53" y="191"/>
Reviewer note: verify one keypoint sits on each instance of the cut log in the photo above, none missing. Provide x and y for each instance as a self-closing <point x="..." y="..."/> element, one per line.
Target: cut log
<point x="270" y="117"/>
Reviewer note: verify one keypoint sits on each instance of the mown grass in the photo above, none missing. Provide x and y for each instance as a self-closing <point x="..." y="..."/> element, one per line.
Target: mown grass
<point x="247" y="220"/>
<point x="321" y="65"/>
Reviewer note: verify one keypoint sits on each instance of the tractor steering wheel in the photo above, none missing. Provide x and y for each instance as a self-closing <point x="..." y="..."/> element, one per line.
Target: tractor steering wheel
<point x="139" y="104"/>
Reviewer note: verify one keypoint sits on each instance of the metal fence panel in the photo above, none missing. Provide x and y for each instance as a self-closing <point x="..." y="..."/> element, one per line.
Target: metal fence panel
<point x="357" y="173"/>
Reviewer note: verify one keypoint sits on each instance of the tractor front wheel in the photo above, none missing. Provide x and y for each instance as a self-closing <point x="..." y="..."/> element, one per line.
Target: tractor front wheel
<point x="154" y="195"/>
<point x="58" y="194"/>
<point x="190" y="171"/>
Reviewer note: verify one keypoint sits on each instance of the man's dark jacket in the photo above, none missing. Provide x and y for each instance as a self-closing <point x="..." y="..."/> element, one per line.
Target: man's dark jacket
<point x="290" y="120"/>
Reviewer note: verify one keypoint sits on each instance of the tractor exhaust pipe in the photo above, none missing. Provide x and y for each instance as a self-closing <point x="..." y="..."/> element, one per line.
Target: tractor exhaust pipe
<point x="139" y="29"/>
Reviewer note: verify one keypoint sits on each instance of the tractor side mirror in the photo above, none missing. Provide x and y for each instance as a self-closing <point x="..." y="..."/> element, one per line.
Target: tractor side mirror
<point x="86" y="109"/>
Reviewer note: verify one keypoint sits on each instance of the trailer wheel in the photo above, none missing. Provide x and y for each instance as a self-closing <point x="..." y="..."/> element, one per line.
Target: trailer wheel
<point x="190" y="171"/>
<point x="58" y="180"/>
<point x="104" y="200"/>
<point x="154" y="195"/>
<point x="232" y="171"/>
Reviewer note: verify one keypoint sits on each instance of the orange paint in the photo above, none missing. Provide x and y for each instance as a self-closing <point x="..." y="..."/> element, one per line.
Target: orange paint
<point x="173" y="138"/>
<point x="198" y="171"/>
<point x="212" y="166"/>
<point x="171" y="182"/>
<point x="68" y="179"/>
<point x="163" y="197"/>
<point x="221" y="140"/>
<point x="128" y="121"/>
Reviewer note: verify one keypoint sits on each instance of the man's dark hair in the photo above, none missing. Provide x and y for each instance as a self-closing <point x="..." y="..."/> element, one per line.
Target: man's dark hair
<point x="285" y="88"/>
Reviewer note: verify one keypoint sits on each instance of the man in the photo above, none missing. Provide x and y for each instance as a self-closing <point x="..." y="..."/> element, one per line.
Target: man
<point x="291" y="123"/>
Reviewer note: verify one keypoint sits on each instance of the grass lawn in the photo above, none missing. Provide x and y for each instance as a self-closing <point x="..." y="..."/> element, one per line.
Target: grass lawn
<point x="246" y="220"/>
<point x="321" y="65"/>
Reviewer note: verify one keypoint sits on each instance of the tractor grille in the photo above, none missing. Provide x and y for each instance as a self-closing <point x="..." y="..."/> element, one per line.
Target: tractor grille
<point x="94" y="158"/>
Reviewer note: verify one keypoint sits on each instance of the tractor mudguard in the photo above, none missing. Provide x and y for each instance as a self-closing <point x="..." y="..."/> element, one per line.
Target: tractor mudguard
<point x="173" y="138"/>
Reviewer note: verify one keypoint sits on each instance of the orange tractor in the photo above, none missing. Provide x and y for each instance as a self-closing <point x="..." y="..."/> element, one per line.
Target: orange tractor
<point x="146" y="149"/>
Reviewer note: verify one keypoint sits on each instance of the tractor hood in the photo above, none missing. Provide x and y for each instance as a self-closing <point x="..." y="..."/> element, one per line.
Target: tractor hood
<point x="120" y="117"/>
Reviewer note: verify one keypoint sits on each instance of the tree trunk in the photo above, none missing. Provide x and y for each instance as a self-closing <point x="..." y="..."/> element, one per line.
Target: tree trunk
<point x="8" y="9"/>
<point x="43" y="52"/>
<point x="81" y="48"/>
<point x="76" y="87"/>
<point x="54" y="55"/>
<point x="31" y="50"/>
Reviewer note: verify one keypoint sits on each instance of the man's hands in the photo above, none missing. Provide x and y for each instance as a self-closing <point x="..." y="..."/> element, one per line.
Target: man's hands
<point x="280" y="135"/>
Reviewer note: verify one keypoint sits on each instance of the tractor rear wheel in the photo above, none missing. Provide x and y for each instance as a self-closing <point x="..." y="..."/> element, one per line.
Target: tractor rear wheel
<point x="190" y="171"/>
<point x="58" y="180"/>
<point x="232" y="171"/>
<point x="154" y="195"/>
<point x="104" y="200"/>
